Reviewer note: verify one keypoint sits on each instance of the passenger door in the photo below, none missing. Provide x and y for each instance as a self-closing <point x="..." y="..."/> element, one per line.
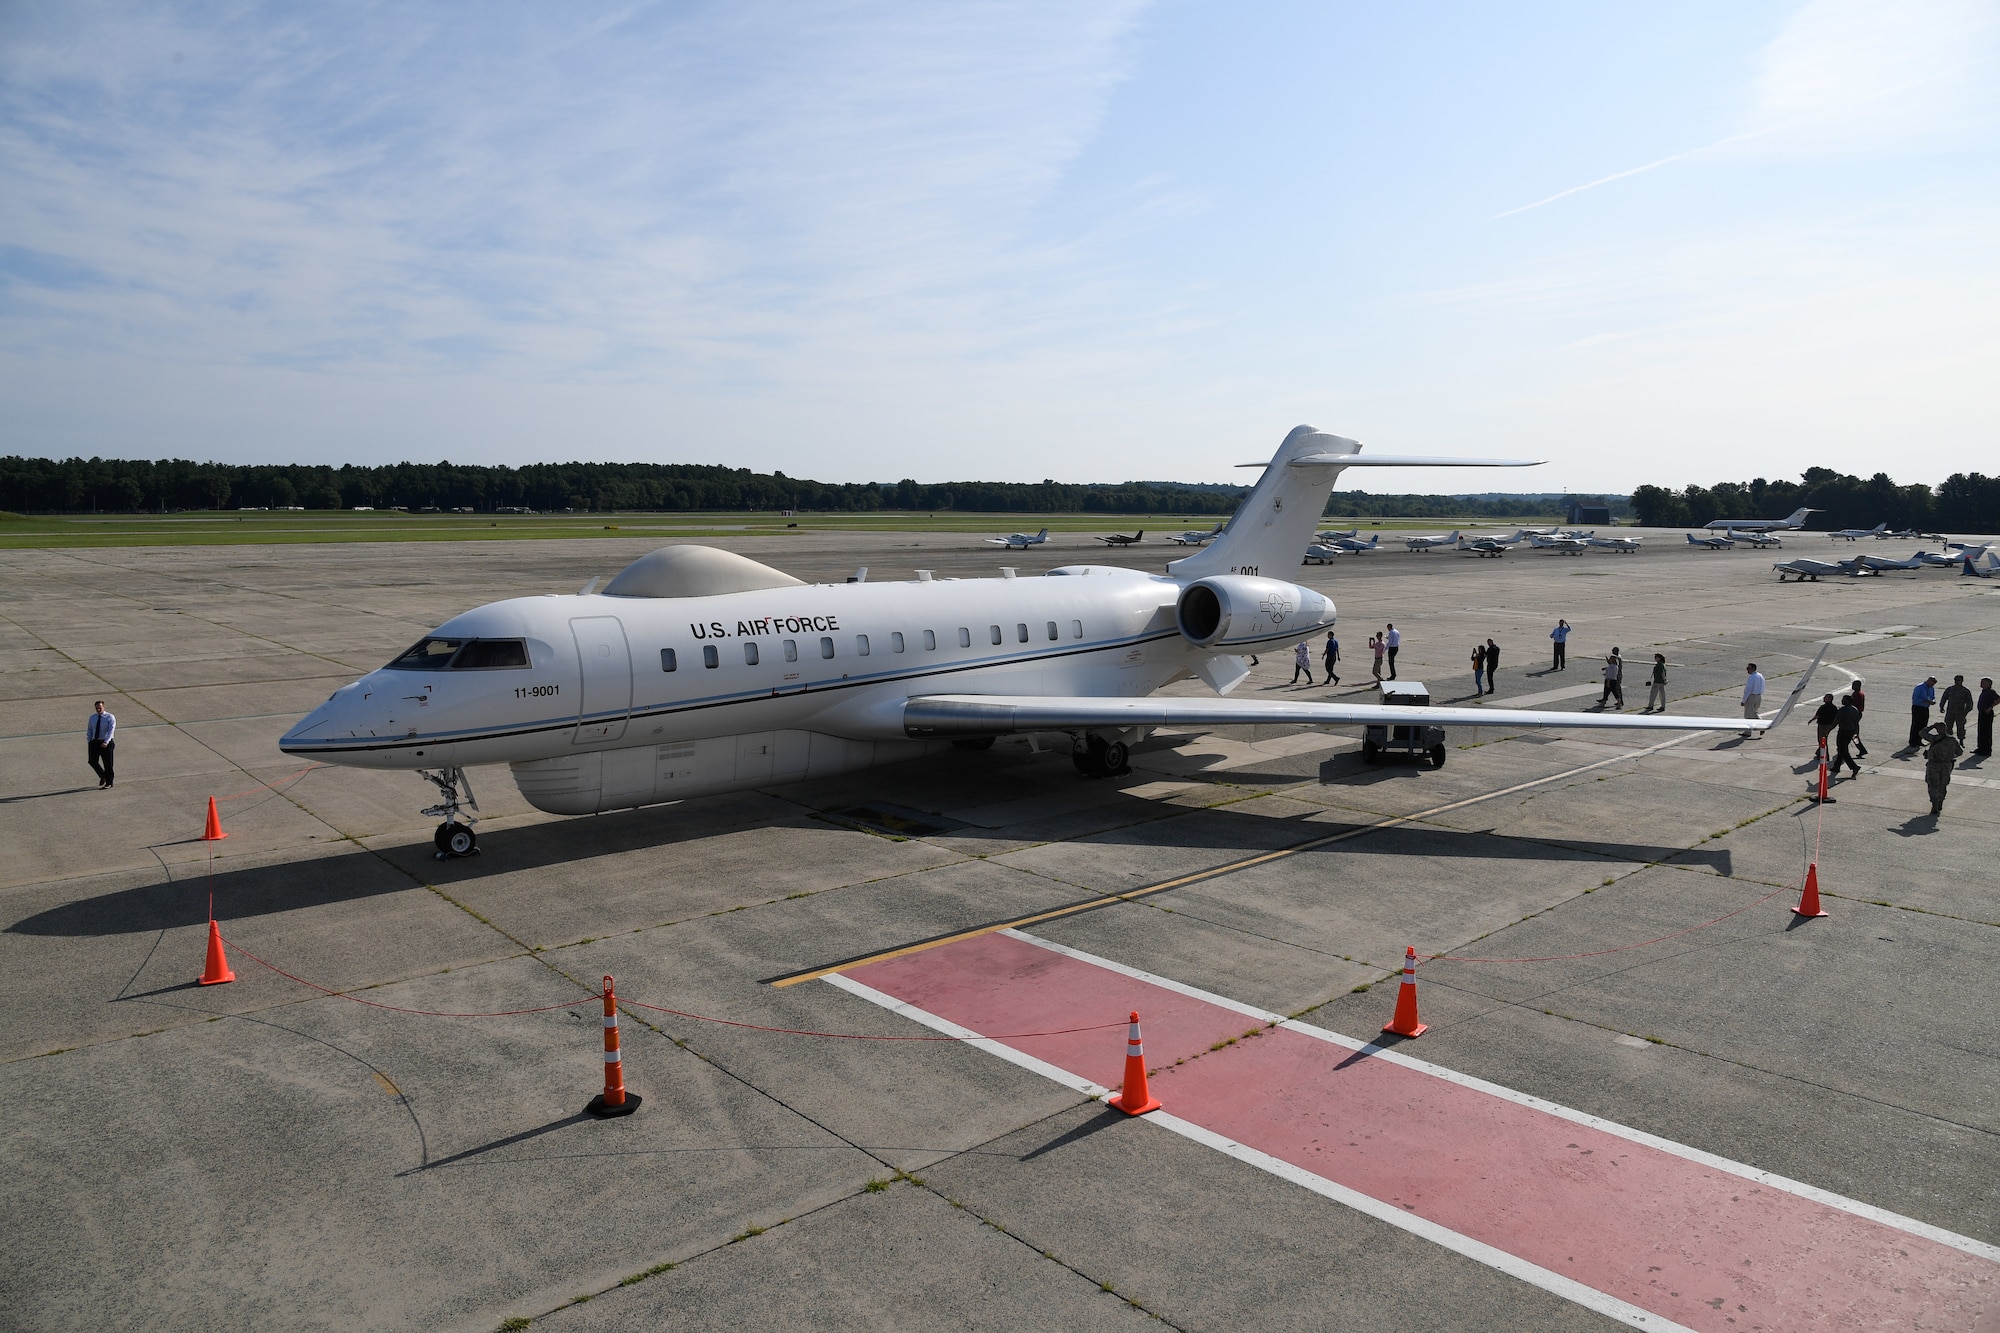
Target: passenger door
<point x="605" y="694"/>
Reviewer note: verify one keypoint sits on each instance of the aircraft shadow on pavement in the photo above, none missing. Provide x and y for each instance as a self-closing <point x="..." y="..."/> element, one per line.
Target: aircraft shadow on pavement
<point x="359" y="875"/>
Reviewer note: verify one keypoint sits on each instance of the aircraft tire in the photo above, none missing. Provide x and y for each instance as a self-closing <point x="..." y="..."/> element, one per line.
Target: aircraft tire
<point x="455" y="840"/>
<point x="1371" y="753"/>
<point x="1437" y="756"/>
<point x="1113" y="758"/>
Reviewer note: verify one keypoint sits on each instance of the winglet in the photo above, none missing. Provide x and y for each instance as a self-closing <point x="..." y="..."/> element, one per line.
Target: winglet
<point x="1798" y="691"/>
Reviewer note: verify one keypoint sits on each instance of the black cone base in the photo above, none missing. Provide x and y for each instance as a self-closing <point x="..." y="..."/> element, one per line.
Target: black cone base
<point x="602" y="1111"/>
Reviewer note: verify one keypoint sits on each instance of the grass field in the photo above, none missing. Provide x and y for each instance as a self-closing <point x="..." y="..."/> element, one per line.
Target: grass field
<point x="229" y="528"/>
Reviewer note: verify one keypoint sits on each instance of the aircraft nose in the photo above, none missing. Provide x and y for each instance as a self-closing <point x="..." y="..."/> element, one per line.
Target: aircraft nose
<point x="323" y="723"/>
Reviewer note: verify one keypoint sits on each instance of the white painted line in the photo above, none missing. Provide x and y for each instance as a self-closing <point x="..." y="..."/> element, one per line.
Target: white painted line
<point x="1868" y="1210"/>
<point x="1478" y="1251"/>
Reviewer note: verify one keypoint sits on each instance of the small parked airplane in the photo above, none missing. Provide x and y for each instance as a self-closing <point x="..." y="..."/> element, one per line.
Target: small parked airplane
<point x="1482" y="546"/>
<point x="1761" y="540"/>
<point x="1195" y="538"/>
<point x="1880" y="531"/>
<point x="1878" y="563"/>
<point x="1809" y="570"/>
<point x="1938" y="560"/>
<point x="623" y="698"/>
<point x="1622" y="545"/>
<point x="1426" y="543"/>
<point x="1319" y="553"/>
<point x="1019" y="541"/>
<point x="1115" y="539"/>
<point x="1797" y="520"/>
<point x="1331" y="536"/>
<point x="1355" y="546"/>
<point x="1564" y="545"/>
<point x="1711" y="543"/>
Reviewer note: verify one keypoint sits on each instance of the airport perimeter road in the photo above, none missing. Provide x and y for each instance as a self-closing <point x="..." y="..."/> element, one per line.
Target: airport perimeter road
<point x="267" y="1154"/>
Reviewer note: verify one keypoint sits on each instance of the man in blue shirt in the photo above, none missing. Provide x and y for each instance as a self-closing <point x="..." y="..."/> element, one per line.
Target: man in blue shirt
<point x="1561" y="635"/>
<point x="102" y="730"/>
<point x="1921" y="700"/>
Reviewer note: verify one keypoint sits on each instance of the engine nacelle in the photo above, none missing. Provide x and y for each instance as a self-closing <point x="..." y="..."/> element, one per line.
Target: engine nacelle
<point x="1232" y="612"/>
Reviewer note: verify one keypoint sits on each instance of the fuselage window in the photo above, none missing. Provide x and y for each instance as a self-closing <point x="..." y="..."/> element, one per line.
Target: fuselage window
<point x="896" y="641"/>
<point x="1021" y="632"/>
<point x="431" y="654"/>
<point x="964" y="637"/>
<point x="791" y="650"/>
<point x="491" y="655"/>
<point x="709" y="657"/>
<point x="668" y="660"/>
<point x="861" y="644"/>
<point x="930" y="640"/>
<point x="1052" y="631"/>
<point x="994" y="632"/>
<point x="1076" y="629"/>
<point x="749" y="652"/>
<point x="826" y="647"/>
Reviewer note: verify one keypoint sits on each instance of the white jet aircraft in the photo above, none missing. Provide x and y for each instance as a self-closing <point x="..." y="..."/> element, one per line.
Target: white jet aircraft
<point x="1797" y="520"/>
<point x="698" y="670"/>
<point x="1426" y="543"/>
<point x="1196" y="538"/>
<point x="1019" y="541"/>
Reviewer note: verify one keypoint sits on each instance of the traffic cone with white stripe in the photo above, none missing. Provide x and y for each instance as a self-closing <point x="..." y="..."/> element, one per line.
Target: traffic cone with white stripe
<point x="1136" y="1098"/>
<point x="1405" y="1023"/>
<point x="1809" y="900"/>
<point x="614" y="1100"/>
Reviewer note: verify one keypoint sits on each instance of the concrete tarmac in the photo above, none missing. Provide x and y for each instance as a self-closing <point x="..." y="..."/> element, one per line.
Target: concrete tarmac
<point x="266" y="1152"/>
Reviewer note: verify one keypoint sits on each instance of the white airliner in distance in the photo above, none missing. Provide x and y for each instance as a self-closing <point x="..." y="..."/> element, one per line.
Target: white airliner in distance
<point x="1426" y="543"/>
<point x="698" y="670"/>
<point x="1797" y="520"/>
<point x="1019" y="541"/>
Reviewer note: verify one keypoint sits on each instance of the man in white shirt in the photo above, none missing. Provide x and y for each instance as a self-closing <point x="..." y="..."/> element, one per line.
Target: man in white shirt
<point x="102" y="731"/>
<point x="1394" y="639"/>
<point x="1753" y="695"/>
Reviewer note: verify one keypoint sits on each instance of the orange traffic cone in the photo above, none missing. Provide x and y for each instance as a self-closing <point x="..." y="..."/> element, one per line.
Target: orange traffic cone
<point x="1809" y="900"/>
<point x="217" y="970"/>
<point x="213" y="833"/>
<point x="1405" y="1023"/>
<point x="614" y="1100"/>
<point x="1136" y="1099"/>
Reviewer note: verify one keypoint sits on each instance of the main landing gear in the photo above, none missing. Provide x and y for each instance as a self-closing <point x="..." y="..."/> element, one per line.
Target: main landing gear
<point x="1095" y="757"/>
<point x="454" y="837"/>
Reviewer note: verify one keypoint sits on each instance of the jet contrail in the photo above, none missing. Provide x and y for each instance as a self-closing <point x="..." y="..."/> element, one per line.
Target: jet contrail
<point x="1591" y="185"/>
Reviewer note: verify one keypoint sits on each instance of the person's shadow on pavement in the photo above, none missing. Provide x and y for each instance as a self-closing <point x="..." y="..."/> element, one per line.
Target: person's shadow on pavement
<point x="1916" y="826"/>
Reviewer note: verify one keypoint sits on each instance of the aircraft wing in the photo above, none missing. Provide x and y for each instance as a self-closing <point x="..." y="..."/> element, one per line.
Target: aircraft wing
<point x="998" y="714"/>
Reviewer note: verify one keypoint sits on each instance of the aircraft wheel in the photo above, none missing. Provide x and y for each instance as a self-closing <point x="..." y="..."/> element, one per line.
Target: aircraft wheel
<point x="1371" y="753"/>
<point x="1437" y="756"/>
<point x="1113" y="758"/>
<point x="455" y="840"/>
<point x="973" y="743"/>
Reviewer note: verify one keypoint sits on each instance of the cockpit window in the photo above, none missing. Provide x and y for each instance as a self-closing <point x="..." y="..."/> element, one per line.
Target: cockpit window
<point x="486" y="654"/>
<point x="436" y="654"/>
<point x="428" y="654"/>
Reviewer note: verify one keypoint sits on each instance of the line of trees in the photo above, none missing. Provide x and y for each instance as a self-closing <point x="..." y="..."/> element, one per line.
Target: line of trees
<point x="1964" y="502"/>
<point x="79" y="485"/>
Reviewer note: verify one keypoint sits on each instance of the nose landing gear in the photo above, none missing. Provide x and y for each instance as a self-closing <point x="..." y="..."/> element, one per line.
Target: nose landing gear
<point x="454" y="837"/>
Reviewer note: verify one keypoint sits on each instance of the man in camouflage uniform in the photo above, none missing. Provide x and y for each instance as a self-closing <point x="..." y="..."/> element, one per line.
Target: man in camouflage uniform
<point x="1941" y="751"/>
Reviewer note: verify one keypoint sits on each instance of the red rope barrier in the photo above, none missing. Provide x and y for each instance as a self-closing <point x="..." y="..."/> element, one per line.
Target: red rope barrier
<point x="1599" y="953"/>
<point x="657" y="1008"/>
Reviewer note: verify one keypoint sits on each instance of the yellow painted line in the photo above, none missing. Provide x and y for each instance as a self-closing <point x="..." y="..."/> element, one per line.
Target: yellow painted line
<point x="1262" y="858"/>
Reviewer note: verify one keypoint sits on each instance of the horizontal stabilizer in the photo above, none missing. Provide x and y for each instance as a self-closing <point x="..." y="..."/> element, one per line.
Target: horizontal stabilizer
<point x="1409" y="460"/>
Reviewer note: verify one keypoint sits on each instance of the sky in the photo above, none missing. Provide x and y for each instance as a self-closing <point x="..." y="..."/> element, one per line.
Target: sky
<point x="1093" y="242"/>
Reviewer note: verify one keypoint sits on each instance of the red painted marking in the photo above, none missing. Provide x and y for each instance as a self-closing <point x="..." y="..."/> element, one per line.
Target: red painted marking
<point x="1705" y="1248"/>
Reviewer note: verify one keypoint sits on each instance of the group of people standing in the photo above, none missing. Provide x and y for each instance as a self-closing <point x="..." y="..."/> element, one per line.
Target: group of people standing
<point x="1614" y="681"/>
<point x="1944" y="742"/>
